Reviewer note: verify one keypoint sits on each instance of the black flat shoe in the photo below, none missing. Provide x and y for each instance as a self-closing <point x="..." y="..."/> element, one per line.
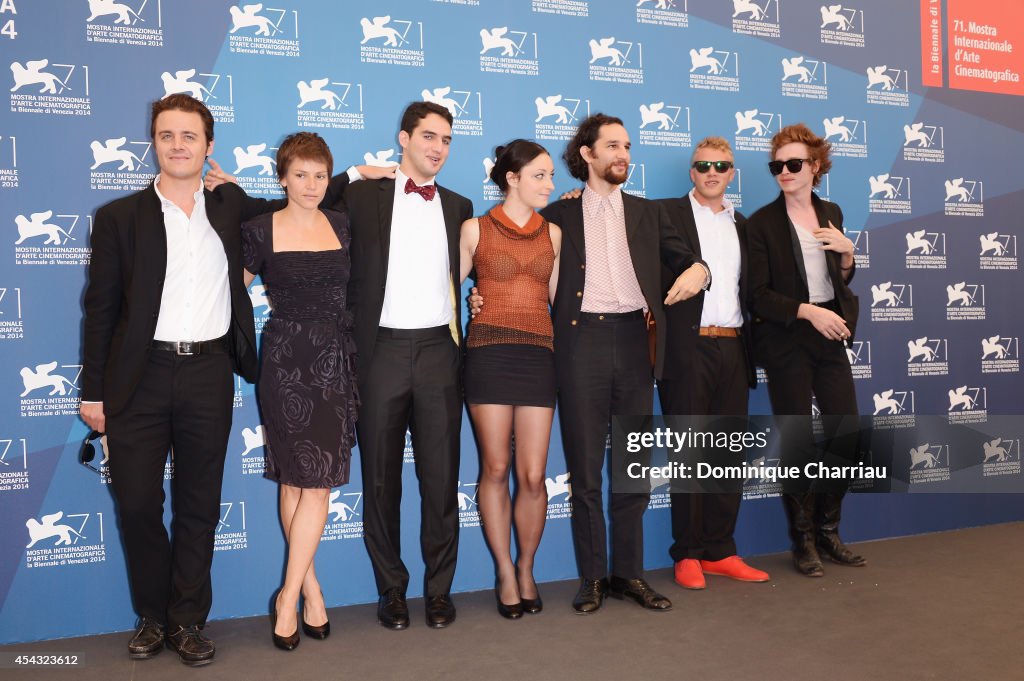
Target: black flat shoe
<point x="392" y="610"/>
<point x="290" y="642"/>
<point x="147" y="641"/>
<point x="194" y="649"/>
<point x="590" y="596"/>
<point x="640" y="592"/>
<point x="440" y="611"/>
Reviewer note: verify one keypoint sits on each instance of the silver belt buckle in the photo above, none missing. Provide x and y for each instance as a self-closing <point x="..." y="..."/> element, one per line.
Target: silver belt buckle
<point x="186" y="349"/>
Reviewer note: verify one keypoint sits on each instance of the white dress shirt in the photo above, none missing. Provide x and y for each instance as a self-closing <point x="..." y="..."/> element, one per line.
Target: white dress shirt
<point x="196" y="300"/>
<point x="819" y="286"/>
<point x="418" y="293"/>
<point x="720" y="249"/>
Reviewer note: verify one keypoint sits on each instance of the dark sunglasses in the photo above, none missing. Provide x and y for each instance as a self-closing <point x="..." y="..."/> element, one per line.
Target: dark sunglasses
<point x="88" y="451"/>
<point x="793" y="165"/>
<point x="704" y="166"/>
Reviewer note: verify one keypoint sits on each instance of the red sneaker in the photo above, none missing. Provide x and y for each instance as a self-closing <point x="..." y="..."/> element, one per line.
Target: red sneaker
<point x="734" y="568"/>
<point x="689" y="575"/>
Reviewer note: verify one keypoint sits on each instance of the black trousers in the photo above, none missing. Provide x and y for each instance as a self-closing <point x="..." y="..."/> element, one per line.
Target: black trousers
<point x="703" y="524"/>
<point x="412" y="383"/>
<point x="802" y="363"/>
<point x="182" y="403"/>
<point x="609" y="372"/>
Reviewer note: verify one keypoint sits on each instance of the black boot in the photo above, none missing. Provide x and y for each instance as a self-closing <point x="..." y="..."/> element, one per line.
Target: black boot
<point x="826" y="520"/>
<point x="799" y="512"/>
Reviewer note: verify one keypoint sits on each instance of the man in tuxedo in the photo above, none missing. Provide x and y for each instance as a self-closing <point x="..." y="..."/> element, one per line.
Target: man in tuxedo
<point x="609" y="278"/>
<point x="408" y="330"/>
<point x="708" y="368"/>
<point x="167" y="322"/>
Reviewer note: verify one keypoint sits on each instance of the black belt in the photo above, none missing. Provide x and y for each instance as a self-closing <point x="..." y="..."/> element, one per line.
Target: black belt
<point x="218" y="346"/>
<point x="415" y="334"/>
<point x="611" y="316"/>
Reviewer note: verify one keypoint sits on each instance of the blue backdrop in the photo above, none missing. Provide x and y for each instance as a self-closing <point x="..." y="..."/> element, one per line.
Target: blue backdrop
<point x="928" y="179"/>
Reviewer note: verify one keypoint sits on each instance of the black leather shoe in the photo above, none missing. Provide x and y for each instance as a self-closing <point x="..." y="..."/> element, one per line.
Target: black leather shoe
<point x="806" y="559"/>
<point x="194" y="649"/>
<point x="640" y="591"/>
<point x="800" y="511"/>
<point x="290" y="642"/>
<point x="147" y="641"/>
<point x="533" y="605"/>
<point x="440" y="611"/>
<point x="392" y="610"/>
<point x="319" y="632"/>
<point x="832" y="547"/>
<point x="590" y="596"/>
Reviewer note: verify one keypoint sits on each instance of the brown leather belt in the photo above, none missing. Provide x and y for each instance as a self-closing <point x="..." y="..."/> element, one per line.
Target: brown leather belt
<point x="720" y="331"/>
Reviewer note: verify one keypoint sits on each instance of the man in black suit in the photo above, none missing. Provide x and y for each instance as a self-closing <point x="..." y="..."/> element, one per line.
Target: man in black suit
<point x="708" y="370"/>
<point x="167" y="322"/>
<point x="408" y="330"/>
<point x="608" y="278"/>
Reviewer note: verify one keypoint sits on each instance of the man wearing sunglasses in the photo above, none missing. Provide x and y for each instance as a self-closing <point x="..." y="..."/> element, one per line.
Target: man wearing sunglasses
<point x="707" y="364"/>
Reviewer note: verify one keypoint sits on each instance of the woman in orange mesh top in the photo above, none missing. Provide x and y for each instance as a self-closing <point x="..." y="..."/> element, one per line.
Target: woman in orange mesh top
<point x="510" y="371"/>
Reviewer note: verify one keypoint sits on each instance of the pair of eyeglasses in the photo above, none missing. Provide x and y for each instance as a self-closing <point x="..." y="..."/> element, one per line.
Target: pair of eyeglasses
<point x="87" y="453"/>
<point x="793" y="165"/>
<point x="704" y="166"/>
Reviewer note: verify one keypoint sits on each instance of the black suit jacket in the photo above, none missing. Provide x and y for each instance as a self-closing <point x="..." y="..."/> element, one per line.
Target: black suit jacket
<point x="683" y="318"/>
<point x="652" y="239"/>
<point x="369" y="204"/>
<point x="126" y="280"/>
<point x="778" y="281"/>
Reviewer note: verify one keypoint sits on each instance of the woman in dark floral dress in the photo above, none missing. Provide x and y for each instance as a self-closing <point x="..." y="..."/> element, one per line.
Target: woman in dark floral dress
<point x="307" y="386"/>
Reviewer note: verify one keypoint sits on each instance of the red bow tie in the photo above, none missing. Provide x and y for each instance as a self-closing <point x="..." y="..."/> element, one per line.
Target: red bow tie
<point x="427" y="191"/>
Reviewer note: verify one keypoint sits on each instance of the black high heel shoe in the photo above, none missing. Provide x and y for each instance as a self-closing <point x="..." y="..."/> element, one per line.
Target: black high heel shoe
<point x="319" y="632"/>
<point x="511" y="612"/>
<point x="283" y="642"/>
<point x="531" y="605"/>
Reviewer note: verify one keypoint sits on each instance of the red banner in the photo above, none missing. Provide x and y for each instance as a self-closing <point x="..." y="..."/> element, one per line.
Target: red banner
<point x="931" y="43"/>
<point x="985" y="39"/>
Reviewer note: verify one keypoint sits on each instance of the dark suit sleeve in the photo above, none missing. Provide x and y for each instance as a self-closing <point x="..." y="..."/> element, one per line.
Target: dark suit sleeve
<point x="764" y="300"/>
<point x="838" y="222"/>
<point x="335" y="197"/>
<point x="675" y="252"/>
<point x="102" y="303"/>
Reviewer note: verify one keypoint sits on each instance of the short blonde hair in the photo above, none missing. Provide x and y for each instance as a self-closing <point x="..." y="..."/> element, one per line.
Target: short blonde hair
<point x="717" y="143"/>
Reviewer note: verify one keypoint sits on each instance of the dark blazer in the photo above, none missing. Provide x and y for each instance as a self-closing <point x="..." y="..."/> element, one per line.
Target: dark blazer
<point x="126" y="281"/>
<point x="778" y="280"/>
<point x="683" y="318"/>
<point x="369" y="204"/>
<point x="652" y="239"/>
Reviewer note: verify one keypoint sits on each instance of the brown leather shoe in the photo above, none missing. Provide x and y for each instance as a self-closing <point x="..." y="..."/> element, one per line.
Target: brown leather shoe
<point x="147" y="641"/>
<point x="194" y="649"/>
